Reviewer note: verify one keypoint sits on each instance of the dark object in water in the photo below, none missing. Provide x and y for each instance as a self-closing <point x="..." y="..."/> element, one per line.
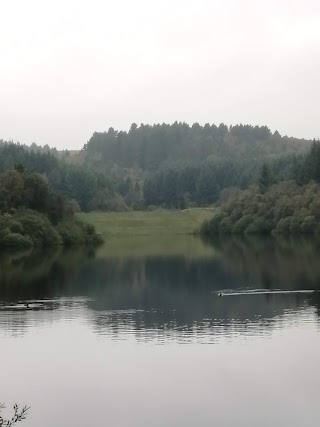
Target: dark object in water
<point x="220" y="294"/>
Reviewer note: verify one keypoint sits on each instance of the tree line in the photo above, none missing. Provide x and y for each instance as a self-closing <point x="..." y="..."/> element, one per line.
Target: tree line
<point x="180" y="165"/>
<point x="182" y="185"/>
<point x="87" y="188"/>
<point x="171" y="166"/>
<point x="147" y="147"/>
<point x="290" y="206"/>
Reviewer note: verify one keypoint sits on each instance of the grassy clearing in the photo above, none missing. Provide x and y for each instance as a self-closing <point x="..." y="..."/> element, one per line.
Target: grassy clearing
<point x="157" y="233"/>
<point x="141" y="223"/>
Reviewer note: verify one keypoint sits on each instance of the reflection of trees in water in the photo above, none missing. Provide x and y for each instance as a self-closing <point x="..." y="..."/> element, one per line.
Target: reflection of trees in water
<point x="259" y="316"/>
<point x="314" y="300"/>
<point x="37" y="275"/>
<point x="174" y="294"/>
<point x="266" y="262"/>
<point x="178" y="294"/>
<point x="32" y="283"/>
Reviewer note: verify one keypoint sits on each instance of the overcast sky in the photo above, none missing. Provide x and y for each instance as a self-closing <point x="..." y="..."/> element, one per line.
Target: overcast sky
<point x="72" y="67"/>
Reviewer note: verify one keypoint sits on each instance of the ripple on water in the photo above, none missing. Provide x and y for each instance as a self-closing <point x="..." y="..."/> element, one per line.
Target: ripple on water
<point x="161" y="326"/>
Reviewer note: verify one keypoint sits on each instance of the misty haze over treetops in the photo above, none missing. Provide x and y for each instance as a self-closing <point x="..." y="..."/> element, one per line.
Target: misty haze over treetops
<point x="71" y="68"/>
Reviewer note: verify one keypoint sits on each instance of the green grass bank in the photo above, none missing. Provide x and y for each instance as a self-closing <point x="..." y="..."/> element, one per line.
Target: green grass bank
<point x="150" y="233"/>
<point x="159" y="222"/>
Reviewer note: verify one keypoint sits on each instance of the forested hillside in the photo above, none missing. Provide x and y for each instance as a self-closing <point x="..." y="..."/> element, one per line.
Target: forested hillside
<point x="147" y="147"/>
<point x="180" y="165"/>
<point x="87" y="188"/>
<point x="161" y="165"/>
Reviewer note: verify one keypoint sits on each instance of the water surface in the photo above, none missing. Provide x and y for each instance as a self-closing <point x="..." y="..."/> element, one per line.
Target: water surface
<point x="138" y="334"/>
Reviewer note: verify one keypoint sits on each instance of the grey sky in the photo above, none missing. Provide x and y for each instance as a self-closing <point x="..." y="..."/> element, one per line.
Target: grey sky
<point x="72" y="67"/>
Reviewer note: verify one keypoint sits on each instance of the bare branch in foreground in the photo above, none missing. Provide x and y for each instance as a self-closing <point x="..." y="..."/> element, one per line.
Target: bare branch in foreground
<point x="18" y="415"/>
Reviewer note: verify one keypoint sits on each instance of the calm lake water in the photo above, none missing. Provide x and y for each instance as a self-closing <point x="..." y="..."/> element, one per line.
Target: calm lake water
<point x="137" y="334"/>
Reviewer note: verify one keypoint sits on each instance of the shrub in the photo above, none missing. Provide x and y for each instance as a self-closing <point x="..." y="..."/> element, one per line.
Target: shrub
<point x="309" y="224"/>
<point x="15" y="226"/>
<point x="213" y="225"/>
<point x="4" y="232"/>
<point x="241" y="225"/>
<point x="71" y="233"/>
<point x="236" y="215"/>
<point x="295" y="224"/>
<point x="76" y="233"/>
<point x="226" y="225"/>
<point x="251" y="210"/>
<point x="38" y="227"/>
<point x="8" y="222"/>
<point x="16" y="240"/>
<point x="283" y="225"/>
<point x="259" y="225"/>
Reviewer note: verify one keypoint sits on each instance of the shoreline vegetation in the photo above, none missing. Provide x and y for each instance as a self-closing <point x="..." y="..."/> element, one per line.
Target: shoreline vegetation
<point x="290" y="206"/>
<point x="173" y="166"/>
<point x="33" y="215"/>
<point x="285" y="208"/>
